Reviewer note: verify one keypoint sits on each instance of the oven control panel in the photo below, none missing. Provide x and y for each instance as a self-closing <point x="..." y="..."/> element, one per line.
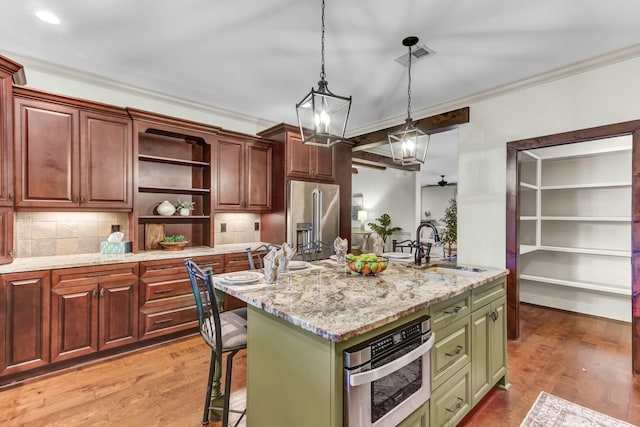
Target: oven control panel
<point x="395" y="339"/>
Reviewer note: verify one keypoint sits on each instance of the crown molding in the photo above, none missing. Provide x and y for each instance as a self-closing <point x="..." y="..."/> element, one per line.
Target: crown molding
<point x="94" y="79"/>
<point x="610" y="58"/>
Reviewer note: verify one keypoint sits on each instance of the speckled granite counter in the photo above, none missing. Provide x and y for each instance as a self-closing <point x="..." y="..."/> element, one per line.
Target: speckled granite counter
<point x="82" y="260"/>
<point x="339" y="306"/>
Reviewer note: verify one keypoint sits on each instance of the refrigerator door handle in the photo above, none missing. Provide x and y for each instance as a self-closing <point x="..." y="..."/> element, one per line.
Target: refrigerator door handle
<point x="316" y="211"/>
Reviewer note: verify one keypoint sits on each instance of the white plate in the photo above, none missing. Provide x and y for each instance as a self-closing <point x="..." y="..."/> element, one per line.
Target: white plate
<point x="298" y="265"/>
<point x="398" y="255"/>
<point x="241" y="277"/>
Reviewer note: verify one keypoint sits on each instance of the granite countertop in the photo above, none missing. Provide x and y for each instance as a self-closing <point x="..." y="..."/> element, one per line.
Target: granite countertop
<point x="84" y="260"/>
<point x="339" y="306"/>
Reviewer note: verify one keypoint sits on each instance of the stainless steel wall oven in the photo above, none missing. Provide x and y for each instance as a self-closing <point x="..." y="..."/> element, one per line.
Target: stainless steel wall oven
<point x="388" y="377"/>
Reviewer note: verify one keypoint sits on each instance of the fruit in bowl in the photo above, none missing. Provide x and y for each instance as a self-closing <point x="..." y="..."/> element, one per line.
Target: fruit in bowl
<point x="367" y="264"/>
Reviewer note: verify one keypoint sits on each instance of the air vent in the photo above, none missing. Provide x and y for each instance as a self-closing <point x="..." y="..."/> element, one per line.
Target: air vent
<point x="418" y="52"/>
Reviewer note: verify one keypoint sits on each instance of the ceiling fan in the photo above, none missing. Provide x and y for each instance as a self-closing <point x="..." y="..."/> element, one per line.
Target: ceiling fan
<point x="442" y="182"/>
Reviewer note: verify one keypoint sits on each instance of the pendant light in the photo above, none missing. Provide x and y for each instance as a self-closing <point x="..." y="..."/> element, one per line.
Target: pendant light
<point x="322" y="115"/>
<point x="409" y="144"/>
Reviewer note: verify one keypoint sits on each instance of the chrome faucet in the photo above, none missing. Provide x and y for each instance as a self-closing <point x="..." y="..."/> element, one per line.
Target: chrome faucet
<point x="419" y="249"/>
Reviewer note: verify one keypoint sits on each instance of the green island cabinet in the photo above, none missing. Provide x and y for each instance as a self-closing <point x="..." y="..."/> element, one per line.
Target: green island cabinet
<point x="294" y="375"/>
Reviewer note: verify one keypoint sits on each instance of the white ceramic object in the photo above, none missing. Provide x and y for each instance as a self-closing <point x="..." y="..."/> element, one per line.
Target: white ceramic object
<point x="166" y="208"/>
<point x="185" y="211"/>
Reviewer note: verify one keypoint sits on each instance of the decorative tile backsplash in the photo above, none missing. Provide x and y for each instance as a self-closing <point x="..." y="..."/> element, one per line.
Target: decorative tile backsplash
<point x="240" y="228"/>
<point x="70" y="233"/>
<point x="65" y="233"/>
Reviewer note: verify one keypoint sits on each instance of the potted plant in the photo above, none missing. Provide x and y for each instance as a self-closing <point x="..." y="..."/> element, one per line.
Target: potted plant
<point x="174" y="243"/>
<point x="185" y="207"/>
<point x="383" y="227"/>
<point x="450" y="235"/>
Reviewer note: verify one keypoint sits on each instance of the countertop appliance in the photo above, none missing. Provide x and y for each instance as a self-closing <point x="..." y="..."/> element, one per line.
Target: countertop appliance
<point x="313" y="214"/>
<point x="388" y="377"/>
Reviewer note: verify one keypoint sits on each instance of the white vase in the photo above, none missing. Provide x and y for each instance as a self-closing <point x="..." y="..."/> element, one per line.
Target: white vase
<point x="166" y="208"/>
<point x="185" y="211"/>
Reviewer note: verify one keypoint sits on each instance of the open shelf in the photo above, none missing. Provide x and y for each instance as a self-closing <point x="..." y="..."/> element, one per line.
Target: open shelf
<point x="171" y="161"/>
<point x="587" y="218"/>
<point x="174" y="218"/>
<point x="598" y="287"/>
<point x="526" y="186"/>
<point x="587" y="185"/>
<point x="525" y="249"/>
<point x="171" y="190"/>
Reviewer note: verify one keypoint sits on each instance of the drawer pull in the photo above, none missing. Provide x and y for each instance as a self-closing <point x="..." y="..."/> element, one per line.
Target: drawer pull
<point x="159" y="322"/>
<point x="494" y="315"/>
<point x="163" y="291"/>
<point x="455" y="310"/>
<point x="98" y="275"/>
<point x="455" y="352"/>
<point x="457" y="406"/>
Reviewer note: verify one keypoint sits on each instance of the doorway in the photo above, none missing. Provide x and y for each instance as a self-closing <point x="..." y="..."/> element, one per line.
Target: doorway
<point x="515" y="150"/>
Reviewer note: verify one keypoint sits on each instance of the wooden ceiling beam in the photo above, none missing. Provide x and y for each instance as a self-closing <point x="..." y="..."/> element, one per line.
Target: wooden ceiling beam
<point x="434" y="124"/>
<point x="378" y="160"/>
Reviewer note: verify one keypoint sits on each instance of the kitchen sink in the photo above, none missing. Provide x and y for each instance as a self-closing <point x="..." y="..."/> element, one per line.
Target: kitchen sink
<point x="455" y="269"/>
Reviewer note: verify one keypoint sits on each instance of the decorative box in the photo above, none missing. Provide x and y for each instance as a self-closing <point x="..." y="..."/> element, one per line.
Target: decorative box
<point x="115" y="247"/>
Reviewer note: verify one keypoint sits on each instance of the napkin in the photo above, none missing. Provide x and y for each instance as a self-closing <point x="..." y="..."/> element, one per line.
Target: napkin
<point x="286" y="254"/>
<point x="340" y="245"/>
<point x="271" y="261"/>
<point x="378" y="246"/>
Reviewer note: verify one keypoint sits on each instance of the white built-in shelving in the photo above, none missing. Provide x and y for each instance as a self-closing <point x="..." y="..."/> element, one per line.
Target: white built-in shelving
<point x="575" y="226"/>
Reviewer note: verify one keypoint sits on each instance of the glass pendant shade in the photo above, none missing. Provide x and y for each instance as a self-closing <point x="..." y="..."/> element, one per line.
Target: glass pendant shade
<point x="322" y="116"/>
<point x="409" y="145"/>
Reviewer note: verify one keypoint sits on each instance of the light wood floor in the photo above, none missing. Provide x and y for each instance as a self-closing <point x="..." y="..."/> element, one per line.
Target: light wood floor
<point x="583" y="359"/>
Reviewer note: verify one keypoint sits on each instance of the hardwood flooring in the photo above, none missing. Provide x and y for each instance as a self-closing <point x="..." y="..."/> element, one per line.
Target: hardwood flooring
<point x="583" y="359"/>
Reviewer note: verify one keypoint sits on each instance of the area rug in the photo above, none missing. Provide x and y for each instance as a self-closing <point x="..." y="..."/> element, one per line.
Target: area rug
<point x="552" y="411"/>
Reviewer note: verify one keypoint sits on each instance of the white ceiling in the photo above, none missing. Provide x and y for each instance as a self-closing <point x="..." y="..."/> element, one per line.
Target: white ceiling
<point x="260" y="57"/>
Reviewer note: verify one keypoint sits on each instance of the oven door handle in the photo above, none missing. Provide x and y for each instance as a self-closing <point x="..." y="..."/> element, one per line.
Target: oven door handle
<point x="400" y="362"/>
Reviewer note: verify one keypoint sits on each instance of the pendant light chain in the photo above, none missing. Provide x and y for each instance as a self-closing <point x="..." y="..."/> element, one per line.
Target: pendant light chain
<point x="409" y="88"/>
<point x="322" y="74"/>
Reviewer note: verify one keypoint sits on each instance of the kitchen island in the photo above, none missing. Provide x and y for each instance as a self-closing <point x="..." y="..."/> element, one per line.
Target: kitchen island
<point x="299" y="327"/>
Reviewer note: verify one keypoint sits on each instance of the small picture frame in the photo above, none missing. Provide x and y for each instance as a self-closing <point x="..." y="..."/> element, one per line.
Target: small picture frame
<point x="357" y="204"/>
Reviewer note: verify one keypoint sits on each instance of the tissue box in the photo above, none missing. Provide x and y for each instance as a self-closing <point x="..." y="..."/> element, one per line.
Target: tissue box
<point x="115" y="247"/>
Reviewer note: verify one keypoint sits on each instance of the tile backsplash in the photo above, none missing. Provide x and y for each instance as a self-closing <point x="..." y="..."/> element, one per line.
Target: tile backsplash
<point x="65" y="233"/>
<point x="240" y="228"/>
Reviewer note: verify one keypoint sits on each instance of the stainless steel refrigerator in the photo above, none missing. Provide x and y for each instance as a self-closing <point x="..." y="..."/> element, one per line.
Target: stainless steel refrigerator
<point x="313" y="214"/>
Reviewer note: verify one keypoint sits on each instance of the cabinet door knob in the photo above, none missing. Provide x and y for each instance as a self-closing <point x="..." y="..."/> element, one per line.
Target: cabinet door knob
<point x="12" y="197"/>
<point x="74" y="199"/>
<point x="494" y="315"/>
<point x="95" y="293"/>
<point x="101" y="292"/>
<point x="83" y="199"/>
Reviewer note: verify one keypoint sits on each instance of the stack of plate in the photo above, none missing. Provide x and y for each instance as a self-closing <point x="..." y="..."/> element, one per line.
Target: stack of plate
<point x="241" y="278"/>
<point x="399" y="256"/>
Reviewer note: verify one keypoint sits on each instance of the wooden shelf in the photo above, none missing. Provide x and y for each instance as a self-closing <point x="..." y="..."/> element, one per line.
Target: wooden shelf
<point x="528" y="218"/>
<point x="527" y="186"/>
<point x="598" y="287"/>
<point x="591" y="185"/>
<point x="586" y="218"/>
<point x="170" y="190"/>
<point x="171" y="161"/>
<point x="524" y="249"/>
<point x="173" y="218"/>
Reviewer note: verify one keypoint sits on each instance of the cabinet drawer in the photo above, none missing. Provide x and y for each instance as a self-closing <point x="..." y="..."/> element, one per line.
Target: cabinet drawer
<point x="446" y="312"/>
<point x="451" y="351"/>
<point x="161" y="268"/>
<point x="162" y="289"/>
<point x="167" y="319"/>
<point x="451" y="402"/>
<point x="487" y="293"/>
<point x="90" y="275"/>
<point x="237" y="261"/>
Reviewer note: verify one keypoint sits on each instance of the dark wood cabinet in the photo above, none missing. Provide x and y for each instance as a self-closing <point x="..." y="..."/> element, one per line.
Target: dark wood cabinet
<point x="6" y="235"/>
<point x="24" y="321"/>
<point x="8" y="69"/>
<point x="92" y="309"/>
<point x="243" y="175"/>
<point x="70" y="153"/>
<point x="167" y="304"/>
<point x="308" y="161"/>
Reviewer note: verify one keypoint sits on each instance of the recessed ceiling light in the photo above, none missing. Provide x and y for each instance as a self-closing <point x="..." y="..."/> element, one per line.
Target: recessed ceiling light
<point x="47" y="17"/>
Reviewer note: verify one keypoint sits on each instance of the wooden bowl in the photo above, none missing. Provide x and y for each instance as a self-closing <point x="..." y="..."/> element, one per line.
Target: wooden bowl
<point x="173" y="246"/>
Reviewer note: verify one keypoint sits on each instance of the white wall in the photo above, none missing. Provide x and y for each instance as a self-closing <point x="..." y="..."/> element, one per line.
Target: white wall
<point x="388" y="191"/>
<point x="435" y="199"/>
<point x="605" y="95"/>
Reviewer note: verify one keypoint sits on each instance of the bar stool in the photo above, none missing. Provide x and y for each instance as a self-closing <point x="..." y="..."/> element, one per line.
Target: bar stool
<point x="260" y="251"/>
<point x="224" y="332"/>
